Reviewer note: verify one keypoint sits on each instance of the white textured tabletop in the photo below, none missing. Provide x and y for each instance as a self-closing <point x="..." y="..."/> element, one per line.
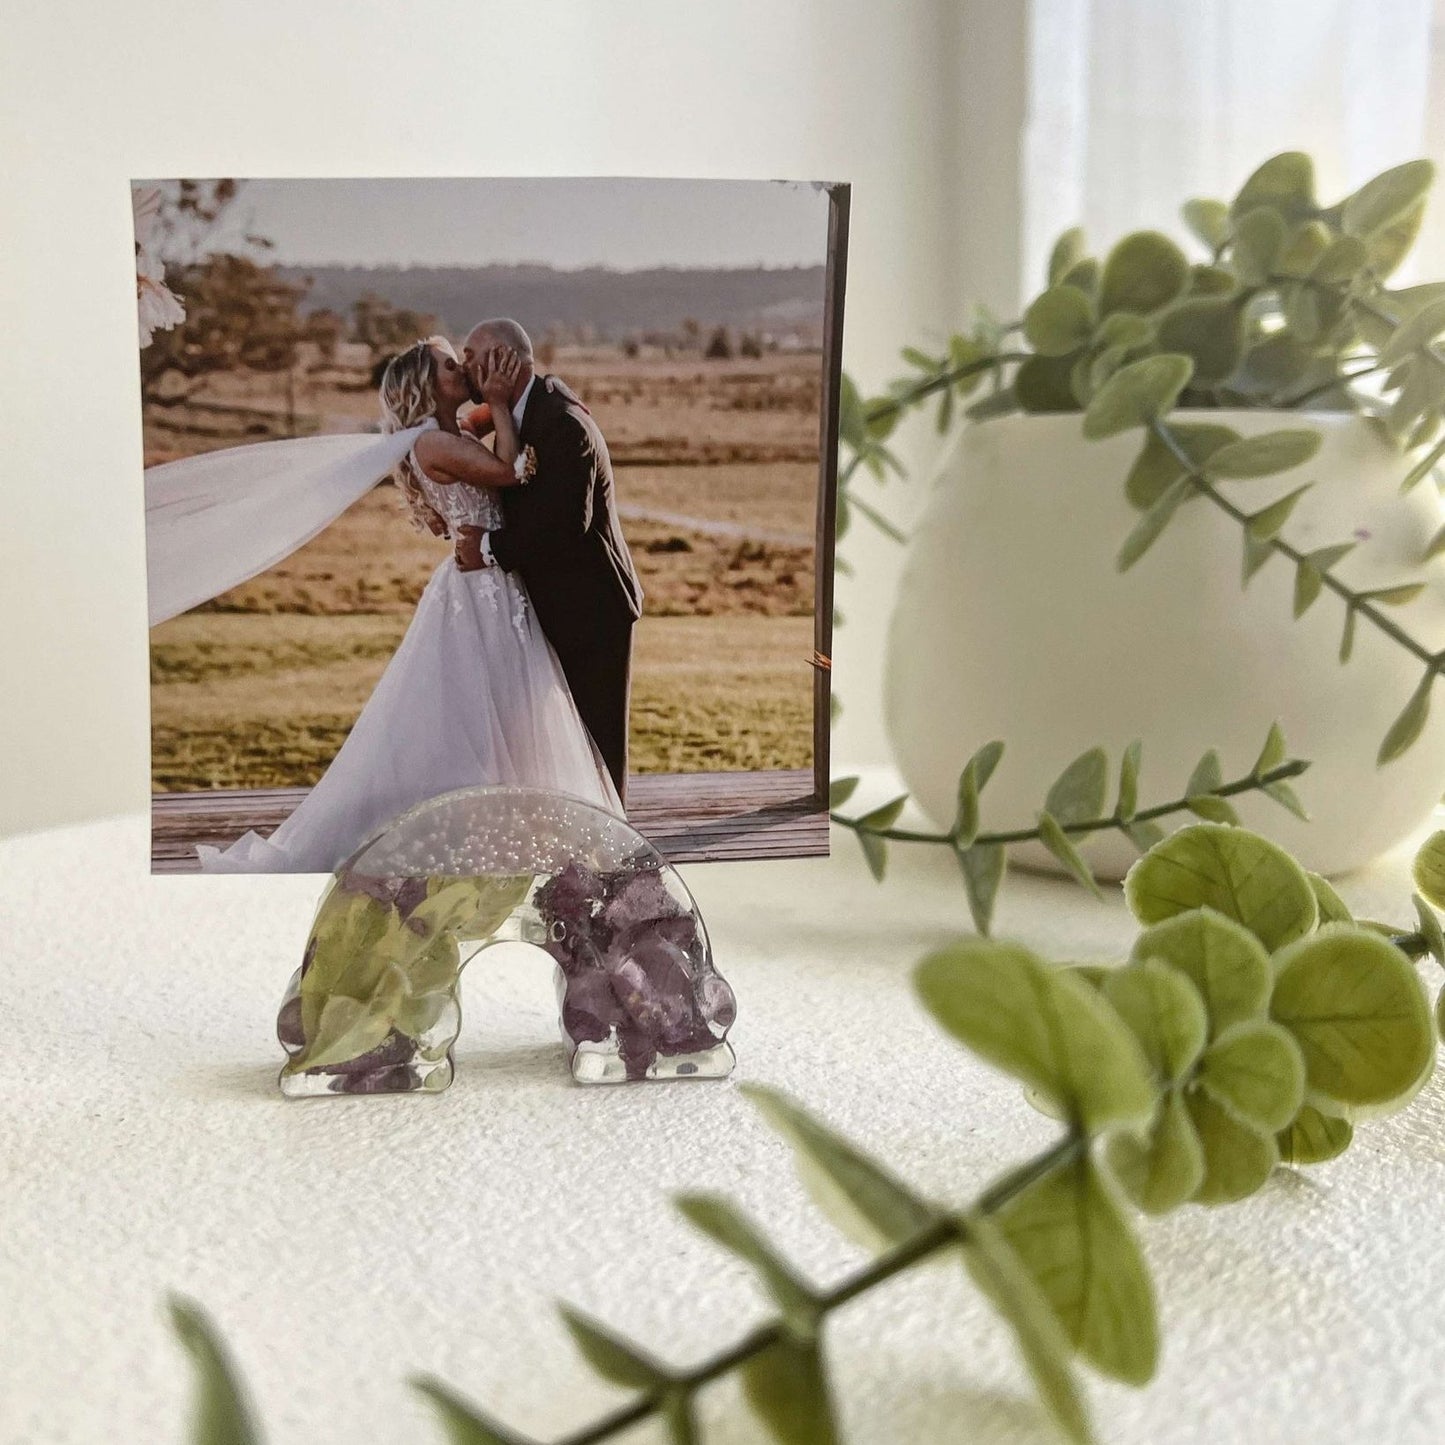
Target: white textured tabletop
<point x="344" y="1244"/>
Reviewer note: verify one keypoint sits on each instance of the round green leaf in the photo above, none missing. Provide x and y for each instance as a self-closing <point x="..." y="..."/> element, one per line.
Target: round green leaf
<point x="1264" y="455"/>
<point x="1078" y="793"/>
<point x="1209" y="330"/>
<point x="1137" y="394"/>
<point x="1387" y="197"/>
<point x="1059" y="321"/>
<point x="1041" y="1024"/>
<point x="1144" y="271"/>
<point x="1333" y="908"/>
<point x="1314" y="1137"/>
<point x="1165" y="1168"/>
<point x="1044" y="384"/>
<point x="1068" y="251"/>
<point x="1355" y="1007"/>
<point x="1231" y="870"/>
<point x="1158" y="467"/>
<point x="1225" y="962"/>
<point x="1258" y="240"/>
<point x="1237" y="1159"/>
<point x="1255" y="1070"/>
<point x="1165" y="1012"/>
<point x="998" y="1272"/>
<point x="1209" y="220"/>
<point x="1285" y="183"/>
<point x="1071" y="1237"/>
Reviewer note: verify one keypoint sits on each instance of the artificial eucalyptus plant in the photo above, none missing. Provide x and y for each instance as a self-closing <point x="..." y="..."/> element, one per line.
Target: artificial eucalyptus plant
<point x="1253" y="1023"/>
<point x="1286" y="306"/>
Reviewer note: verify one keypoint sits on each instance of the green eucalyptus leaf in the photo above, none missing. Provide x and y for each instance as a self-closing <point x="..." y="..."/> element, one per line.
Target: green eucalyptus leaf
<point x="1150" y="527"/>
<point x="617" y="1360"/>
<point x="1333" y="908"/>
<point x="1357" y="1011"/>
<point x="1309" y="575"/>
<point x="1041" y="1025"/>
<point x="1145" y="271"/>
<point x="1399" y="596"/>
<point x="1414" y="477"/>
<point x="1303" y="248"/>
<point x="1163" y="1169"/>
<point x="1209" y="220"/>
<point x="1392" y="243"/>
<point x="1287" y="798"/>
<point x="840" y="790"/>
<point x="1137" y="394"/>
<point x="1068" y="251"/>
<point x="1256" y="1071"/>
<point x="1385" y="199"/>
<point x="870" y="826"/>
<point x="1341" y="261"/>
<point x="1238" y="1159"/>
<point x="1059" y="321"/>
<point x="1347" y="635"/>
<point x="722" y="1222"/>
<point x="1070" y="1235"/>
<point x="1314" y="1137"/>
<point x="1265" y="454"/>
<point x="1212" y="809"/>
<point x="1422" y="329"/>
<point x="787" y="1387"/>
<point x="1083" y="274"/>
<point x="1272" y="754"/>
<point x="971" y="782"/>
<point x="1208" y="775"/>
<point x="860" y="1196"/>
<point x="1406" y="729"/>
<point x="349" y="1027"/>
<point x="1078" y="794"/>
<point x="1258" y="240"/>
<point x="1212" y="281"/>
<point x="463" y="1422"/>
<point x="1257" y="551"/>
<point x="1144" y="836"/>
<point x="1285" y="183"/>
<point x="1128" y="798"/>
<point x="1157" y="465"/>
<point x="1044" y="384"/>
<point x="1429" y="869"/>
<point x="1007" y="1285"/>
<point x="1430" y="929"/>
<point x="1209" y="330"/>
<point x="1058" y="842"/>
<point x="1268" y="521"/>
<point x="1227" y="965"/>
<point x="222" y="1413"/>
<point x="1230" y="870"/>
<point x="983" y="866"/>
<point x="1164" y="1011"/>
<point x="1272" y="366"/>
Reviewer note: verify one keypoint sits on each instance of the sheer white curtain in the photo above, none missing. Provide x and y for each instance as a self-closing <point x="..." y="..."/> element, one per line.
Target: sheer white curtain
<point x="1135" y="105"/>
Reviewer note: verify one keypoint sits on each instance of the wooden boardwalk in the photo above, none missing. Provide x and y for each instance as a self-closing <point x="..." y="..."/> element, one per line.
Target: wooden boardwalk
<point x="689" y="817"/>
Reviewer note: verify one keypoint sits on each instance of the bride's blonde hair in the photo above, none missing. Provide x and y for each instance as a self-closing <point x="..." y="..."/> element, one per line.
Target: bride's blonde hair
<point x="408" y="398"/>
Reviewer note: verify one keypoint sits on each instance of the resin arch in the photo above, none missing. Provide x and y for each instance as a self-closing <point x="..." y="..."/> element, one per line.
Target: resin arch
<point x="375" y="1006"/>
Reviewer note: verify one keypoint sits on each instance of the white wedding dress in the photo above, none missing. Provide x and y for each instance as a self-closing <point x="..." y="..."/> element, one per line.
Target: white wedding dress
<point x="474" y="694"/>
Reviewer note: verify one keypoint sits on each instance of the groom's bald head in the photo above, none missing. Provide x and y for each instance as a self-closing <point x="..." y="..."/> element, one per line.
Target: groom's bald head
<point x="500" y="331"/>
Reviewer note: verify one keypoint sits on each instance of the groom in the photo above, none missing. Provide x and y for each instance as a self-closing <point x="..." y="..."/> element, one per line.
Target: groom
<point x="563" y="537"/>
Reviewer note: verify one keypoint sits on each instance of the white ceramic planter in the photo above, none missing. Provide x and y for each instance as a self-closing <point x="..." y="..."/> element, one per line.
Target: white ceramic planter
<point x="1012" y="622"/>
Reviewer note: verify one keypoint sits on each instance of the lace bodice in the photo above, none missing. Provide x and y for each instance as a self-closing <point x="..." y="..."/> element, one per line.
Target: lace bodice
<point x="459" y="503"/>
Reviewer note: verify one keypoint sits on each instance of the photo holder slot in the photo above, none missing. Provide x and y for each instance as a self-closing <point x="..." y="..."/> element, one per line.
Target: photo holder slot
<point x="375" y="1006"/>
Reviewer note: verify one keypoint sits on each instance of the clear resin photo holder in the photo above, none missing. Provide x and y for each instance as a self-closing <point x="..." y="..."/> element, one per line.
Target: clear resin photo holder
<point x="375" y="1006"/>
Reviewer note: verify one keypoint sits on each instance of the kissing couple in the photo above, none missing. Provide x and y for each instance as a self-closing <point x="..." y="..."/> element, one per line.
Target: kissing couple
<point x="515" y="668"/>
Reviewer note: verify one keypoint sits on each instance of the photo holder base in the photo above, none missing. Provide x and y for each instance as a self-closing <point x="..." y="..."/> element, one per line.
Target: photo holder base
<point x="375" y="1006"/>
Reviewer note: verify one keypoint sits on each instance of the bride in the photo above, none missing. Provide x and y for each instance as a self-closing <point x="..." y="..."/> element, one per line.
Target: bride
<point x="474" y="693"/>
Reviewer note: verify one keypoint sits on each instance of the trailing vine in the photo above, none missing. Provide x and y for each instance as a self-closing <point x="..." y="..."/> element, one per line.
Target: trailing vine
<point x="1253" y="1022"/>
<point x="1288" y="309"/>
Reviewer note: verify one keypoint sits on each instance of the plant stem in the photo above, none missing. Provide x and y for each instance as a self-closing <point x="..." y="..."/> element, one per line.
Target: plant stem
<point x="892" y="405"/>
<point x="1248" y="784"/>
<point x="945" y="1232"/>
<point x="1352" y="599"/>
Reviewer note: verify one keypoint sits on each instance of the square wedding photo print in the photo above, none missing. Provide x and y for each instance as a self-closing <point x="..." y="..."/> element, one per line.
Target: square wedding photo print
<point x="463" y="482"/>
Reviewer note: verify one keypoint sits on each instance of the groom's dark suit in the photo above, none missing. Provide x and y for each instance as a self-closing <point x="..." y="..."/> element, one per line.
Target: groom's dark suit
<point x="564" y="538"/>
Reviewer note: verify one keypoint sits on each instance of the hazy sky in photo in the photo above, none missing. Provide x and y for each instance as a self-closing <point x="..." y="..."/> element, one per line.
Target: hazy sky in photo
<point x="627" y="224"/>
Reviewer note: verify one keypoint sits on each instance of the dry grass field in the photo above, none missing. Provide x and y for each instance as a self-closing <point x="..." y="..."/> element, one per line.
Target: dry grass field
<point x="717" y="469"/>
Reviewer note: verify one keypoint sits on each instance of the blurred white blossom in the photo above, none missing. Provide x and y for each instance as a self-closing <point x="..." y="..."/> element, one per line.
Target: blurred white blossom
<point x="159" y="307"/>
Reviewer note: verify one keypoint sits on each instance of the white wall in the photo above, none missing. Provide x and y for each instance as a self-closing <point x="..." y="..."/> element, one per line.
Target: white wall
<point x="91" y="95"/>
